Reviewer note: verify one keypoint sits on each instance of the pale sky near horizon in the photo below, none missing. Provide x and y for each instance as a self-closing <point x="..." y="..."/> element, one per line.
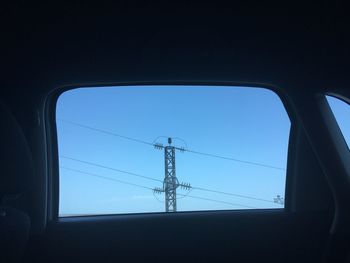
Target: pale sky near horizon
<point x="248" y="124"/>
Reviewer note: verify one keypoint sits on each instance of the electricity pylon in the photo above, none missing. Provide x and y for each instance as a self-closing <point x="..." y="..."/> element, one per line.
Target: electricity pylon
<point x="170" y="183"/>
<point x="279" y="200"/>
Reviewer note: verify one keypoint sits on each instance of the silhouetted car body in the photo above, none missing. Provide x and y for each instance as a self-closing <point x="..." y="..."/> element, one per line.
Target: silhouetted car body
<point x="302" y="53"/>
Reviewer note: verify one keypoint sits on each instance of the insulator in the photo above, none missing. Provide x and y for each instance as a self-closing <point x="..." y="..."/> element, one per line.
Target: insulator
<point x="157" y="190"/>
<point x="158" y="146"/>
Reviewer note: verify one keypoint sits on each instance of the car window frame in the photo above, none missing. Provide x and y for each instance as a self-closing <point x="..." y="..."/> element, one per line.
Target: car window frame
<point x="346" y="101"/>
<point x="52" y="147"/>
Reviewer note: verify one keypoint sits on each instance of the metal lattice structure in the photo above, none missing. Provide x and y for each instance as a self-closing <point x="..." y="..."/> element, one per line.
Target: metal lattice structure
<point x="170" y="183"/>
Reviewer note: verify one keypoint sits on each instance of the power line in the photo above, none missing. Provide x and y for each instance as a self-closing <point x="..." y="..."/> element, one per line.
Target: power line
<point x="105" y="177"/>
<point x="110" y="168"/>
<point x="184" y="195"/>
<point x="231" y="194"/>
<point x="104" y="131"/>
<point x="148" y="188"/>
<point x="160" y="201"/>
<point x="235" y="160"/>
<point x="114" y="169"/>
<point x="153" y="179"/>
<point x="217" y="201"/>
<point x="182" y="149"/>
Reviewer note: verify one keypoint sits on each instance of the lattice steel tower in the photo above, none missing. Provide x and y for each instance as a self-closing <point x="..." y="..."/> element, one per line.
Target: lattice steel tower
<point x="170" y="183"/>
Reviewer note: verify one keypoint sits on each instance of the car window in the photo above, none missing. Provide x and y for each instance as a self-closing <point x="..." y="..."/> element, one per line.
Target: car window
<point x="142" y="149"/>
<point x="341" y="111"/>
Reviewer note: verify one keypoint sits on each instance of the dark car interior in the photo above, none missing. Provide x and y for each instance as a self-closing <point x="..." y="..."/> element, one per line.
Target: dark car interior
<point x="300" y="50"/>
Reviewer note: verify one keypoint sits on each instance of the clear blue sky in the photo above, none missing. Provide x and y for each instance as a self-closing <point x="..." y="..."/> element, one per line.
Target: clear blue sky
<point x="341" y="111"/>
<point x="249" y="124"/>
